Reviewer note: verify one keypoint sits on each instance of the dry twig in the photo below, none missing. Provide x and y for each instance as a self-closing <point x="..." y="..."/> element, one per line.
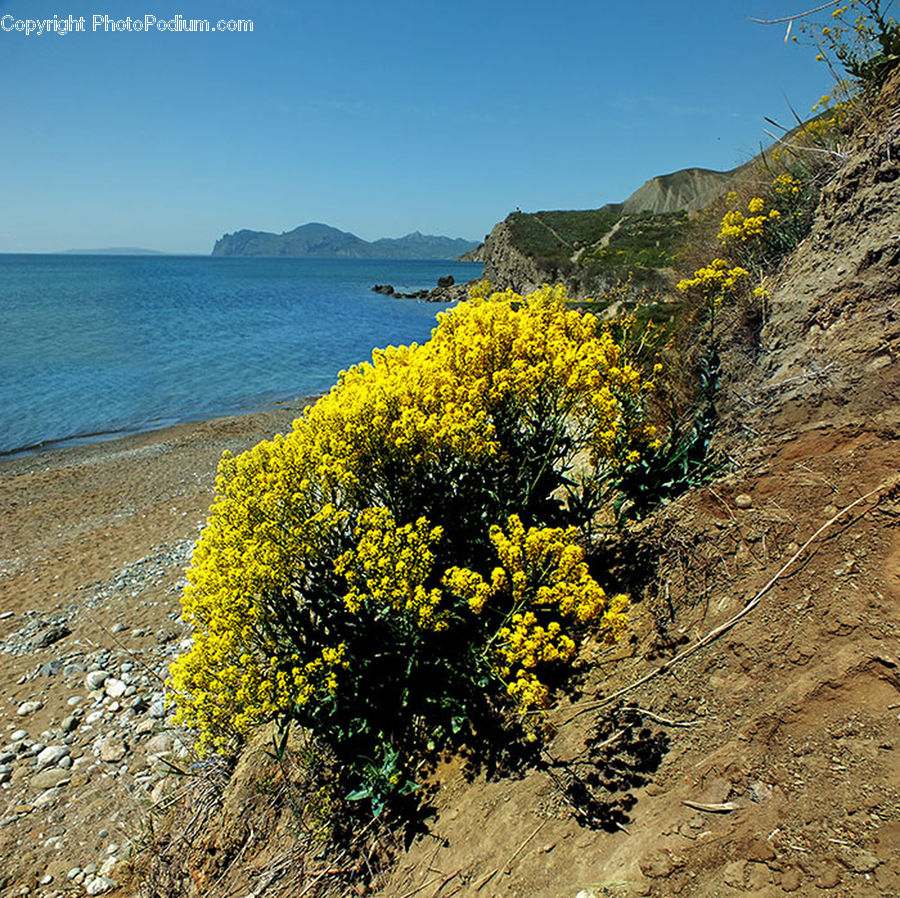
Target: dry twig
<point x="723" y="628"/>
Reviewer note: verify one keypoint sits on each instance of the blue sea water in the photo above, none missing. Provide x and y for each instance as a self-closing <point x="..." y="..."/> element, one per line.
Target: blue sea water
<point x="92" y="346"/>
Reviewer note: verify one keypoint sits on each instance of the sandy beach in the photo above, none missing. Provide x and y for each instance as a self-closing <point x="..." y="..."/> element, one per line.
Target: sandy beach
<point x="71" y="516"/>
<point x="94" y="541"/>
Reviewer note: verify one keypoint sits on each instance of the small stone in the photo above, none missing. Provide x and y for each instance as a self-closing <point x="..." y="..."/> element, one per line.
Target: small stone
<point x="734" y="874"/>
<point x="161" y="744"/>
<point x="860" y="861"/>
<point x="27" y="708"/>
<point x="95" y="680"/>
<point x="743" y="500"/>
<point x="158" y="709"/>
<point x="97" y="885"/>
<point x="5" y="774"/>
<point x="7" y="756"/>
<point x="112" y="750"/>
<point x="73" y="872"/>
<point x="45" y="880"/>
<point x="51" y="756"/>
<point x="657" y="865"/>
<point x="760" y="850"/>
<point x="49" y="779"/>
<point x="115" y="688"/>
<point x="829" y="878"/>
<point x="18" y="736"/>
<point x="75" y="700"/>
<point x="791" y="880"/>
<point x="70" y="724"/>
<point x="139" y="704"/>
<point x="118" y="628"/>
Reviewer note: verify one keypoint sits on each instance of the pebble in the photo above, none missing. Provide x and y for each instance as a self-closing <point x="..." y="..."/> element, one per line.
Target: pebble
<point x="27" y="708"/>
<point x="95" y="679"/>
<point x="743" y="500"/>
<point x="51" y="756"/>
<point x="97" y="885"/>
<point x="69" y="724"/>
<point x="115" y="688"/>
<point x="18" y="736"/>
<point x="112" y="750"/>
<point x="49" y="779"/>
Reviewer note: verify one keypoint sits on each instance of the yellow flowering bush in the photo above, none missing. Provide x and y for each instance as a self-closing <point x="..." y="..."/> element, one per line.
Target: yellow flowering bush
<point x="353" y="575"/>
<point x="753" y="235"/>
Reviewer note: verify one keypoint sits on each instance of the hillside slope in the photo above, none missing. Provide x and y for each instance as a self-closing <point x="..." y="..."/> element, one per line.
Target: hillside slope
<point x="780" y="772"/>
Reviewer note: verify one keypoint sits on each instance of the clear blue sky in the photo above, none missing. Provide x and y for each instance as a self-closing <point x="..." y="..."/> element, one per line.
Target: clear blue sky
<point x="376" y="117"/>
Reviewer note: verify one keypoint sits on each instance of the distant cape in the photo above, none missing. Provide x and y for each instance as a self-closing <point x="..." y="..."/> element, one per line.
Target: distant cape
<point x="320" y="241"/>
<point x="115" y="251"/>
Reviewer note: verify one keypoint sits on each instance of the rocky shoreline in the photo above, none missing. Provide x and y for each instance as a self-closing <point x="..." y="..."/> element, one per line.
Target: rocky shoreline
<point x="93" y="551"/>
<point x="446" y="291"/>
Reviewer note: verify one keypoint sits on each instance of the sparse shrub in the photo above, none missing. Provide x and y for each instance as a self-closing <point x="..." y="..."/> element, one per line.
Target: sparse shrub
<point x="862" y="38"/>
<point x="405" y="564"/>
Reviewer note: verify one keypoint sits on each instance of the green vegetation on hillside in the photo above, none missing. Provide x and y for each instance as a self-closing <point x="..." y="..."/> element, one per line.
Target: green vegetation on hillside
<point x="643" y="240"/>
<point x="556" y="236"/>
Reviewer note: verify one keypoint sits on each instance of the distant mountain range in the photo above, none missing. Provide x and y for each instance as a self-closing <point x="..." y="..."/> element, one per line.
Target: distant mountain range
<point x="115" y="251"/>
<point x="320" y="241"/>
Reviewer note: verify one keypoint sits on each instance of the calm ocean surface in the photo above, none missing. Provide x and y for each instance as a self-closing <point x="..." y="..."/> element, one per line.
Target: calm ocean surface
<point x="92" y="346"/>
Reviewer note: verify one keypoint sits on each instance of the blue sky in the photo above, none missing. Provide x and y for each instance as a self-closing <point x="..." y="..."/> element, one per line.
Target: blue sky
<point x="376" y="117"/>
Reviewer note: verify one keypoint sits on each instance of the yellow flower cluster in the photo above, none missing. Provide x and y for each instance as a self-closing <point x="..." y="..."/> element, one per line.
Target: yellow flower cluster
<point x="543" y="580"/>
<point x="389" y="566"/>
<point x="787" y="186"/>
<point x="740" y="227"/>
<point x="715" y="282"/>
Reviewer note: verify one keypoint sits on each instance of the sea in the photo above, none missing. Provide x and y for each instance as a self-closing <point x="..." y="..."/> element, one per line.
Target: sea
<point x="94" y="347"/>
